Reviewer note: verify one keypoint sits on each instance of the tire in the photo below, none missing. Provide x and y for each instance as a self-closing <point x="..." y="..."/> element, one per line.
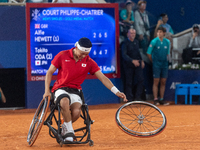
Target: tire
<point x="38" y="121"/>
<point x="140" y="119"/>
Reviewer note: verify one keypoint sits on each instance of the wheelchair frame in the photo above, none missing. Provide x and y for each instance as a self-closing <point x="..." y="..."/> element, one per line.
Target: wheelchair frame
<point x="39" y="120"/>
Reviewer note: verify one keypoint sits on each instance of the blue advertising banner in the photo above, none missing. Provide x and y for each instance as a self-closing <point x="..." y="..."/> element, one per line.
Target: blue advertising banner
<point x="180" y="77"/>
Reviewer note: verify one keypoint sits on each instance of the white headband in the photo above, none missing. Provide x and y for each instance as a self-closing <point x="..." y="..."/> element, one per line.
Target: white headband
<point x="84" y="49"/>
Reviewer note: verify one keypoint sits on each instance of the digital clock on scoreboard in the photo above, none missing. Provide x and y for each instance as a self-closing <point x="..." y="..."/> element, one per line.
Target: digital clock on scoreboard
<point x="52" y="28"/>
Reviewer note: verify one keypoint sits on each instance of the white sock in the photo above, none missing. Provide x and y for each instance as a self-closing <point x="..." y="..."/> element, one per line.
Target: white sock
<point x="69" y="127"/>
<point x="64" y="130"/>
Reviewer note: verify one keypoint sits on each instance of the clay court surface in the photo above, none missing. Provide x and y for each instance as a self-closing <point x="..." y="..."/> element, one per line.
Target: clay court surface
<point x="182" y="131"/>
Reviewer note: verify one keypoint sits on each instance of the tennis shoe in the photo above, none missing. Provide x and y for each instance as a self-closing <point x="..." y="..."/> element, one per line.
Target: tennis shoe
<point x="69" y="139"/>
<point x="163" y="102"/>
<point x="156" y="102"/>
<point x="65" y="131"/>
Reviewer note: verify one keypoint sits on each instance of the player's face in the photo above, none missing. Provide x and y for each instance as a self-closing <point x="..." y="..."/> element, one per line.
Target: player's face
<point x="131" y="34"/>
<point x="165" y="19"/>
<point x="143" y="6"/>
<point x="160" y="33"/>
<point x="80" y="54"/>
<point x="196" y="30"/>
<point x="129" y="7"/>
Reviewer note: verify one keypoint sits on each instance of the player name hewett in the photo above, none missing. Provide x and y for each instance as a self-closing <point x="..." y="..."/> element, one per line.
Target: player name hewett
<point x="43" y="39"/>
<point x="54" y="38"/>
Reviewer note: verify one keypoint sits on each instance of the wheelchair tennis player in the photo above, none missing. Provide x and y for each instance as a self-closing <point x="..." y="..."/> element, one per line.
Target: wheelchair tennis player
<point x="73" y="66"/>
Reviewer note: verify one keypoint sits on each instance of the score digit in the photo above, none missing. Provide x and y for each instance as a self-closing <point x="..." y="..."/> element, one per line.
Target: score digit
<point x="105" y="35"/>
<point x="94" y="53"/>
<point x="106" y="51"/>
<point x="100" y="52"/>
<point x="100" y="35"/>
<point x="94" y="34"/>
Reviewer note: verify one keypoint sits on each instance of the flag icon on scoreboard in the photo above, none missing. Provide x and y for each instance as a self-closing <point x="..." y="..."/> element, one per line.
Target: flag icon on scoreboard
<point x="37" y="62"/>
<point x="37" y="26"/>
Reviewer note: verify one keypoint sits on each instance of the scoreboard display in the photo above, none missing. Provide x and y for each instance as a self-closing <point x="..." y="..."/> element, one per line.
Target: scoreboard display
<point x="52" y="28"/>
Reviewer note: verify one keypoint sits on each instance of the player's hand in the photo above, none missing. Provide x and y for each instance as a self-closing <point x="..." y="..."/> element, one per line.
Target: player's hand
<point x="159" y="22"/>
<point x="129" y="10"/>
<point x="143" y="64"/>
<point x="194" y="35"/>
<point x="141" y="37"/>
<point x="122" y="95"/>
<point x="131" y="22"/>
<point x="46" y="94"/>
<point x="136" y="63"/>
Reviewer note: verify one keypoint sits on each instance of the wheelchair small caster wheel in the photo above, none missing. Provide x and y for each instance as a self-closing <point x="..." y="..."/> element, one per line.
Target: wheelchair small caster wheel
<point x="61" y="144"/>
<point x="91" y="143"/>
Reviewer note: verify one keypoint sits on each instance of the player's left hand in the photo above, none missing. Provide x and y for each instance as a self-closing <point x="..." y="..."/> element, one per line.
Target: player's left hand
<point x="143" y="64"/>
<point x="122" y="95"/>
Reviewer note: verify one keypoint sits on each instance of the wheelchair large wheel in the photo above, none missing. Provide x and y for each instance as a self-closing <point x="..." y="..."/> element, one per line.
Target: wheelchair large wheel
<point x="140" y="119"/>
<point x="38" y="121"/>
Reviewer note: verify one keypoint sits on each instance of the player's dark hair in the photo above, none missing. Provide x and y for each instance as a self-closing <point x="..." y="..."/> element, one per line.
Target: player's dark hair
<point x="162" y="29"/>
<point x="85" y="42"/>
<point x="163" y="15"/>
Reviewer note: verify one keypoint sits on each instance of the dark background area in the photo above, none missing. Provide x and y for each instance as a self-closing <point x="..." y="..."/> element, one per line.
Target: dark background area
<point x="12" y="84"/>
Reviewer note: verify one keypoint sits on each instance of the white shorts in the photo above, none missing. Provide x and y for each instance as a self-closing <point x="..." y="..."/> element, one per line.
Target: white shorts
<point x="73" y="97"/>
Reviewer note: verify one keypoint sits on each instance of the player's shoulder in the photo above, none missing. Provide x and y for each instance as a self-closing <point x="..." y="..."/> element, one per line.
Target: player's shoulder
<point x="136" y="40"/>
<point x="167" y="40"/>
<point x="154" y="40"/>
<point x="168" y="25"/>
<point x="64" y="53"/>
<point x="61" y="52"/>
<point x="89" y="59"/>
<point x="123" y="11"/>
<point x="136" y="12"/>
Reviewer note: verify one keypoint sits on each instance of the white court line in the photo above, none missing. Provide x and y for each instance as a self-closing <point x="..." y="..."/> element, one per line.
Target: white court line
<point x="186" y="125"/>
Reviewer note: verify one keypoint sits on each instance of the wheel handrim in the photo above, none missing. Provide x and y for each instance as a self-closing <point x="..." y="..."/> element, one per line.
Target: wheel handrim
<point x="37" y="121"/>
<point x="147" y="121"/>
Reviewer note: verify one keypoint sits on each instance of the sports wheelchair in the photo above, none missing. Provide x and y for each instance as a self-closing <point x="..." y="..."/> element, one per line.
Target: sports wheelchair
<point x="140" y="119"/>
<point x="54" y="121"/>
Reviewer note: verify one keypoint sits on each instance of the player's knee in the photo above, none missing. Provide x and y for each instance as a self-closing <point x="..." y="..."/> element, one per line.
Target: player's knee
<point x="163" y="82"/>
<point x="156" y="82"/>
<point x="75" y="114"/>
<point x="64" y="103"/>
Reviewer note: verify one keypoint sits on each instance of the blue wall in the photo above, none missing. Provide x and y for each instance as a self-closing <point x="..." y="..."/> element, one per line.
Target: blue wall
<point x="182" y="15"/>
<point x="94" y="92"/>
<point x="13" y="54"/>
<point x="12" y="37"/>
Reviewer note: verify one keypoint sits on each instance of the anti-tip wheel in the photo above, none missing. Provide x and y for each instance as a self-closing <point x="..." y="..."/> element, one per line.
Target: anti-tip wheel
<point x="91" y="143"/>
<point x="61" y="144"/>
